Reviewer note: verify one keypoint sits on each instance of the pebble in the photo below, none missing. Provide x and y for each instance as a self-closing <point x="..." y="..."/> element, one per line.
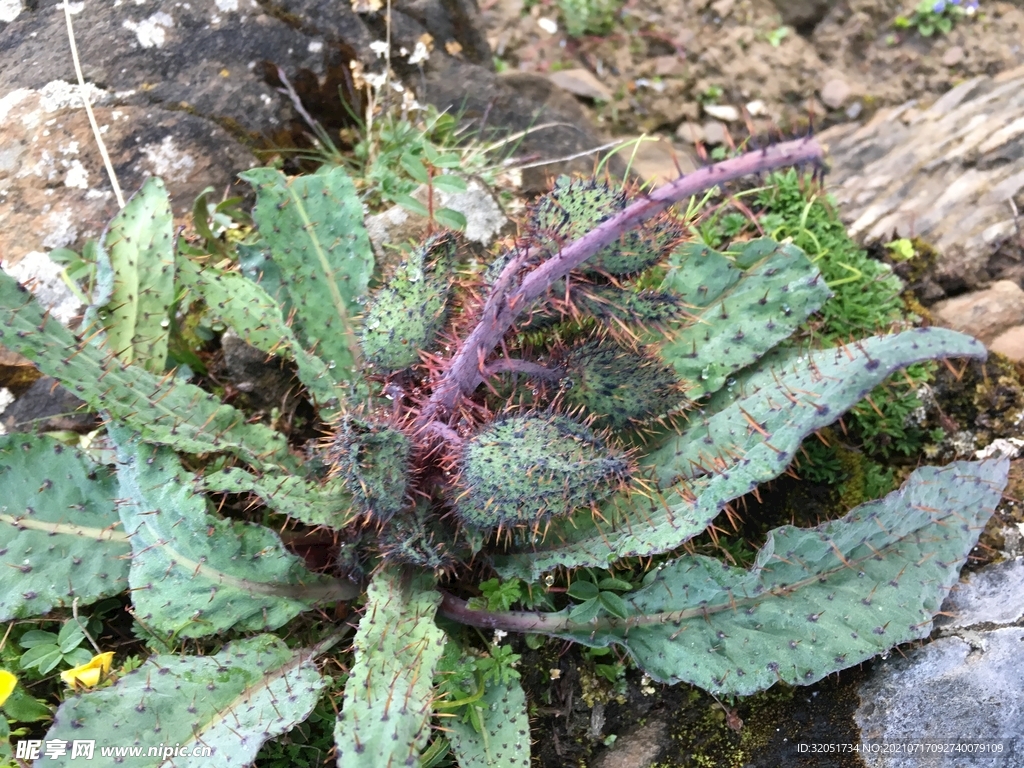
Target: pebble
<point x="835" y="93"/>
<point x="953" y="56"/>
<point x="668" y="66"/>
<point x="757" y="108"/>
<point x="581" y="82"/>
<point x="725" y="112"/>
<point x="690" y="132"/>
<point x="714" y="132"/>
<point x="659" y="162"/>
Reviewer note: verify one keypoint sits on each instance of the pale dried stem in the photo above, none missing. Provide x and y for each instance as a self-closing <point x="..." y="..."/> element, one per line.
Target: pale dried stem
<point x="88" y="109"/>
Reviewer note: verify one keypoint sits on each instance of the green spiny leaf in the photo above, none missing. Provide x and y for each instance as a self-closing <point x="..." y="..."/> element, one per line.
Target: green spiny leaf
<point x="816" y="600"/>
<point x="308" y="502"/>
<point x="58" y="517"/>
<point x="135" y="277"/>
<point x="385" y="720"/>
<point x="257" y="264"/>
<point x="163" y="410"/>
<point x="247" y="308"/>
<point x="314" y="228"/>
<point x="505" y="741"/>
<point x="729" y="452"/>
<point x="230" y="703"/>
<point x="739" y="308"/>
<point x="194" y="574"/>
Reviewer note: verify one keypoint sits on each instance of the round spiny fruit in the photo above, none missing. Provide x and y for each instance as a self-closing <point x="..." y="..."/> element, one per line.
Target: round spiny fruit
<point x="575" y="206"/>
<point x="618" y="385"/>
<point x="527" y="468"/>
<point x="375" y="461"/>
<point x="404" y="317"/>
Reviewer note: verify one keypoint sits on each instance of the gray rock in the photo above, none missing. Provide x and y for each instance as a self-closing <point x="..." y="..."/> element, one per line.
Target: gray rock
<point x="9" y="9"/>
<point x="947" y="175"/>
<point x="955" y="689"/>
<point x="484" y="217"/>
<point x="967" y="687"/>
<point x="485" y="220"/>
<point x="555" y="125"/>
<point x="43" y="277"/>
<point x="983" y="314"/>
<point x="54" y="191"/>
<point x="46" y="407"/>
<point x="198" y="82"/>
<point x="994" y="595"/>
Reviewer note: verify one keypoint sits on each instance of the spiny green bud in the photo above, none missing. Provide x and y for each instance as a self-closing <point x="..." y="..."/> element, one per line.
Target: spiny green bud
<point x="618" y="385"/>
<point x="524" y="469"/>
<point x="415" y="537"/>
<point x="643" y="308"/>
<point x="405" y="316"/>
<point x="575" y="206"/>
<point x="375" y="461"/>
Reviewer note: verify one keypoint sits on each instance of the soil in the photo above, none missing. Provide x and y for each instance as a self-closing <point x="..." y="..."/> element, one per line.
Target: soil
<point x="665" y="58"/>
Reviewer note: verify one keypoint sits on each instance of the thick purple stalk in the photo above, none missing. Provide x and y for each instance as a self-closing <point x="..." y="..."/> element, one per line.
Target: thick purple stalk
<point x="512" y="621"/>
<point x="467" y="368"/>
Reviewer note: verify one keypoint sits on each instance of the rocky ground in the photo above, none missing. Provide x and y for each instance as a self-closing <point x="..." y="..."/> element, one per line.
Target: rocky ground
<point x="689" y="68"/>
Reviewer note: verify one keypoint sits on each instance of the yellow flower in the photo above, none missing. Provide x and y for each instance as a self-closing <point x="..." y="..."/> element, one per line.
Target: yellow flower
<point x="7" y="683"/>
<point x="89" y="675"/>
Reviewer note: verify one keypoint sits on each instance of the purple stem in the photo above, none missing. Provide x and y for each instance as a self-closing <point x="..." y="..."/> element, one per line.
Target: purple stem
<point x="466" y="371"/>
<point x="512" y="621"/>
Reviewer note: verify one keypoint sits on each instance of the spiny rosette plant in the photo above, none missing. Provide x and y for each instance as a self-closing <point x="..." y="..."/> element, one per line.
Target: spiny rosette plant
<point x="601" y="391"/>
